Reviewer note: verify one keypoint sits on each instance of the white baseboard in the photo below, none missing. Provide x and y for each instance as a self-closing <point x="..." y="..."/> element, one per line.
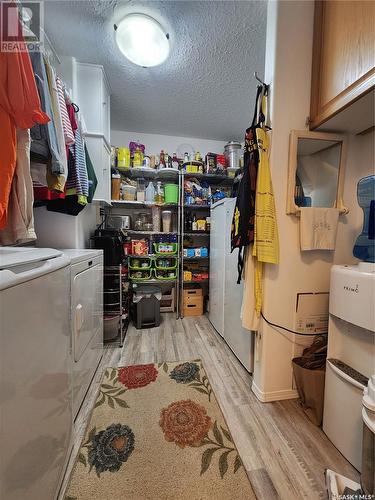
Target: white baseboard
<point x="266" y="397"/>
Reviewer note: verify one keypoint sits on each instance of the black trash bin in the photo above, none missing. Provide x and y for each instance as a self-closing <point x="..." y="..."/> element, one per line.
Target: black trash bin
<point x="146" y="306"/>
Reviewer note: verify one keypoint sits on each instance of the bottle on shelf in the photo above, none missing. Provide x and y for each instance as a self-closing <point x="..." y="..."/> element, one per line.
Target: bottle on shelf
<point x="159" y="193"/>
<point x="167" y="160"/>
<point x="161" y="159"/>
<point x="150" y="192"/>
<point x="175" y="163"/>
<point x="208" y="224"/>
<point x="194" y="223"/>
<point x="186" y="224"/>
<point x="186" y="158"/>
<point x="138" y="156"/>
<point x="189" y="223"/>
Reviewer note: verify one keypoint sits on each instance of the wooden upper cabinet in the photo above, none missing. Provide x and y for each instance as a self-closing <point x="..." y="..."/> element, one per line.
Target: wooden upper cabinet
<point x="343" y="56"/>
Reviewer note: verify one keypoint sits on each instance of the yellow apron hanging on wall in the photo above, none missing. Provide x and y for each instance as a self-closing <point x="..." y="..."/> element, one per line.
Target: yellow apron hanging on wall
<point x="266" y="238"/>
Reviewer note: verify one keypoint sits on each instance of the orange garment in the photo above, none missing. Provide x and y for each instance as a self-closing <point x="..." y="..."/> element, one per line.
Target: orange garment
<point x="19" y="107"/>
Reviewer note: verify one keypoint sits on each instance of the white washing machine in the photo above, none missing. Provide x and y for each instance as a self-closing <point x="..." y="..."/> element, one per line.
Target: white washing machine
<point x="86" y="318"/>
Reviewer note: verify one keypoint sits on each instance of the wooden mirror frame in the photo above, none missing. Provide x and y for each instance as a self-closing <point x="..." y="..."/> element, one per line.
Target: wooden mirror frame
<point x="291" y="207"/>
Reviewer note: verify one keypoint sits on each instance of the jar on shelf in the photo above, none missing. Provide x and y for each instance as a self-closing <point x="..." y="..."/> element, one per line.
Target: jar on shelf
<point x="115" y="186"/>
<point x="138" y="223"/>
<point x="138" y="157"/>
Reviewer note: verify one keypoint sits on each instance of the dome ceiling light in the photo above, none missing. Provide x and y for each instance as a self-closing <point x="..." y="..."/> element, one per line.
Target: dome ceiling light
<point x="142" y="40"/>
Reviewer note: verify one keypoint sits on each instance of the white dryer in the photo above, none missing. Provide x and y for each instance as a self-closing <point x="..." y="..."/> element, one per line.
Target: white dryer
<point x="86" y="318"/>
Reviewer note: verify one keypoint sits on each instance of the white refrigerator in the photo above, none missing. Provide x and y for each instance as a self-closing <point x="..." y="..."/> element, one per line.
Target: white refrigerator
<point x="225" y="293"/>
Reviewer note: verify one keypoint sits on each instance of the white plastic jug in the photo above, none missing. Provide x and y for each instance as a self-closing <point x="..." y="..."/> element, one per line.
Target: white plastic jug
<point x="150" y="192"/>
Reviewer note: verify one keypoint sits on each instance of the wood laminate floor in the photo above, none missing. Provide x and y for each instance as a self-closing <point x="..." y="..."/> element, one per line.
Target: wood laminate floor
<point x="283" y="452"/>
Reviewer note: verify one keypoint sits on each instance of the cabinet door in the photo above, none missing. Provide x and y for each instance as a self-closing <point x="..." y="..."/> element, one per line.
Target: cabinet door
<point x="89" y="100"/>
<point x="101" y="159"/>
<point x="343" y="56"/>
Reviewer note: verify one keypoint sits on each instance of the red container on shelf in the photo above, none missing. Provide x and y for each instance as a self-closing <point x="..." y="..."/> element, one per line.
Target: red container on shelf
<point x="221" y="161"/>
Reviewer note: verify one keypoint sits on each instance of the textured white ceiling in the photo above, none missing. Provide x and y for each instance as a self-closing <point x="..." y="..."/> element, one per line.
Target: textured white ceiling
<point x="206" y="87"/>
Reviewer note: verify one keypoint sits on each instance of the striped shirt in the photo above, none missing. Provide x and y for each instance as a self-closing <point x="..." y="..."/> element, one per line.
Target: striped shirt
<point x="77" y="177"/>
<point x="67" y="127"/>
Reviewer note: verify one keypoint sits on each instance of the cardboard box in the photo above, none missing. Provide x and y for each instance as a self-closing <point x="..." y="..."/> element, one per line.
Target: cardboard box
<point x="192" y="292"/>
<point x="193" y="306"/>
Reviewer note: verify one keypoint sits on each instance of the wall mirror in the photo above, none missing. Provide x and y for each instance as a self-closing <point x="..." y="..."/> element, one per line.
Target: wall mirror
<point x="316" y="170"/>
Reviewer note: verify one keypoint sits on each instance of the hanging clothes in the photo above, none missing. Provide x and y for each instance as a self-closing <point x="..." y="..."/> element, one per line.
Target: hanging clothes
<point x="66" y="124"/>
<point x="77" y="185"/>
<point x="19" y="107"/>
<point x="249" y="318"/>
<point x="242" y="231"/>
<point x="266" y="236"/>
<point x="77" y="182"/>
<point x="44" y="137"/>
<point x="20" y="222"/>
<point x="52" y="85"/>
<point x="265" y="247"/>
<point x="93" y="181"/>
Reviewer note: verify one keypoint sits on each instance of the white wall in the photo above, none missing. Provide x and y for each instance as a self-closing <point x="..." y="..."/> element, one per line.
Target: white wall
<point x="171" y="144"/>
<point x="360" y="163"/>
<point x="288" y="70"/>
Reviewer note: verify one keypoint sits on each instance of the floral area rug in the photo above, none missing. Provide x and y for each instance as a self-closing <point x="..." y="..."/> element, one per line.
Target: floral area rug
<point x="157" y="432"/>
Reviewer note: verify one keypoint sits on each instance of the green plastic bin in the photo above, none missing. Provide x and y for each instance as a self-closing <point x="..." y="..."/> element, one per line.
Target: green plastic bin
<point x="171" y="193"/>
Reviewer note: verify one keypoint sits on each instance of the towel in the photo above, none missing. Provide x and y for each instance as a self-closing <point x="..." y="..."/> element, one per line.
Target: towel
<point x="318" y="228"/>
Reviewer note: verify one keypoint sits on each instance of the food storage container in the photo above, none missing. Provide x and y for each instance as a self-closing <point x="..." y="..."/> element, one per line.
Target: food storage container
<point x="141" y="189"/>
<point x="128" y="192"/>
<point x="232" y="151"/>
<point x="123" y="158"/>
<point x="116" y="184"/>
<point x="166" y="216"/>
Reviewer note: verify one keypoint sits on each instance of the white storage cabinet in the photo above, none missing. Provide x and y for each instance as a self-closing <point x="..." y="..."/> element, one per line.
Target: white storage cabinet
<point x="93" y="98"/>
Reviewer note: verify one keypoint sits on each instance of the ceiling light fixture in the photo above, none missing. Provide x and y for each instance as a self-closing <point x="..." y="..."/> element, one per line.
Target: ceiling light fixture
<point x="142" y="40"/>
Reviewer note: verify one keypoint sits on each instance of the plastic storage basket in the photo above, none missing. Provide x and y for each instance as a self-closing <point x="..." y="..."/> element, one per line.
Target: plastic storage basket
<point x="144" y="275"/>
<point x="160" y="277"/>
<point x="166" y="248"/>
<point x="133" y="266"/>
<point x="172" y="264"/>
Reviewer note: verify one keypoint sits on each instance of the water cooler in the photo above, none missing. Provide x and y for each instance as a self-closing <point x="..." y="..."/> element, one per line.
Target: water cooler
<point x="349" y="400"/>
<point x="351" y="339"/>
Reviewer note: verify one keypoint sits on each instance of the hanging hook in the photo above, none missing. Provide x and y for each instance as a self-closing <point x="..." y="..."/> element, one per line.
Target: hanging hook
<point x="257" y="78"/>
